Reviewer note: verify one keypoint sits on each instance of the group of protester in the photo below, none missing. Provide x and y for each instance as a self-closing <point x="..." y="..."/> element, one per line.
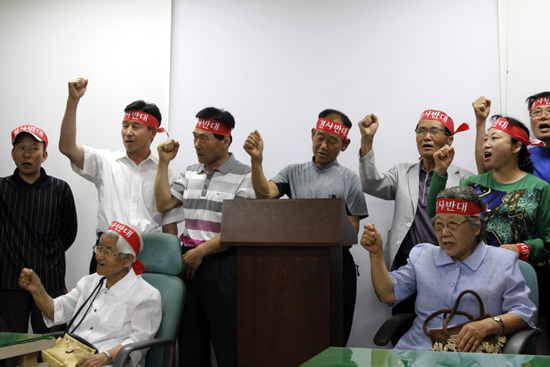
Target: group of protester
<point x="139" y="194"/>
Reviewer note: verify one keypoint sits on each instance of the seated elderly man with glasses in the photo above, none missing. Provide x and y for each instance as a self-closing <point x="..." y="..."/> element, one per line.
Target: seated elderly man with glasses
<point x="110" y="308"/>
<point x="440" y="273"/>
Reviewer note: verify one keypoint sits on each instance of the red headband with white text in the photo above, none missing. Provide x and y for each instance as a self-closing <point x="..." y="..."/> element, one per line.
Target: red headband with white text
<point x="213" y="126"/>
<point x="39" y="134"/>
<point x="332" y="127"/>
<point x="457" y="206"/>
<point x="539" y="102"/>
<point x="133" y="240"/>
<point x="514" y="131"/>
<point x="145" y="118"/>
<point x="444" y="119"/>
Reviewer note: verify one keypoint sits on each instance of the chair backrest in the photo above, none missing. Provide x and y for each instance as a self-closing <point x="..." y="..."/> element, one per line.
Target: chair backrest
<point x="161" y="255"/>
<point x="531" y="280"/>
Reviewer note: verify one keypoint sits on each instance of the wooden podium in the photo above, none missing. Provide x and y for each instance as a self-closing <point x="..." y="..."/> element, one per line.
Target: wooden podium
<point x="289" y="277"/>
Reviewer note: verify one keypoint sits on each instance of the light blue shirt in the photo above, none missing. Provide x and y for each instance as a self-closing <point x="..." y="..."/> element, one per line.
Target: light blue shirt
<point x="438" y="280"/>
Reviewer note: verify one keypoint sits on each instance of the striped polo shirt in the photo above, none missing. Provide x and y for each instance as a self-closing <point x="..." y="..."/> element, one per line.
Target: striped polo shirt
<point x="38" y="224"/>
<point x="202" y="194"/>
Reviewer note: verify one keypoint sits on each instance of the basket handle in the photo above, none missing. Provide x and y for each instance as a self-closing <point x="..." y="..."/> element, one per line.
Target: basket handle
<point x="455" y="311"/>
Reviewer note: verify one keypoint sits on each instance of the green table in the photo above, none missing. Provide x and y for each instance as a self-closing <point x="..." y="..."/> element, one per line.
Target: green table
<point x="24" y="346"/>
<point x="352" y="357"/>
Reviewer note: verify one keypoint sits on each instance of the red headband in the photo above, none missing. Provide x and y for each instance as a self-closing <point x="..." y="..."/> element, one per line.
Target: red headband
<point x="213" y="126"/>
<point x="39" y="134"/>
<point x="514" y="131"/>
<point x="541" y="101"/>
<point x="457" y="206"/>
<point x="133" y="240"/>
<point x="444" y="119"/>
<point x="332" y="127"/>
<point x="145" y="118"/>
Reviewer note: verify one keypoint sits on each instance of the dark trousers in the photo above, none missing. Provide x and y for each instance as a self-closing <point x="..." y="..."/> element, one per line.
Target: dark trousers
<point x="210" y="313"/>
<point x="17" y="306"/>
<point x="15" y="309"/>
<point x="350" y="291"/>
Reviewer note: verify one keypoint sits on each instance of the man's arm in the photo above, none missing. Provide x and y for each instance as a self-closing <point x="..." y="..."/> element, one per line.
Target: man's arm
<point x="67" y="139"/>
<point x="367" y="127"/>
<point x="482" y="109"/>
<point x="69" y="220"/>
<point x="171" y="228"/>
<point x="354" y="219"/>
<point x="371" y="240"/>
<point x="254" y="146"/>
<point x="193" y="258"/>
<point x="382" y="186"/>
<point x="29" y="281"/>
<point x="164" y="199"/>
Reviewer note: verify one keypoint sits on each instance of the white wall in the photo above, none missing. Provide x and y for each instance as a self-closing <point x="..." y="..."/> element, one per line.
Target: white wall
<point x="523" y="37"/>
<point x="524" y="53"/>
<point x="122" y="46"/>
<point x="276" y="64"/>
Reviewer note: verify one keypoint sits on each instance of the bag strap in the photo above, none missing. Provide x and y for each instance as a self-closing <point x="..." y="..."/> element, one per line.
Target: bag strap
<point x="455" y="311"/>
<point x="444" y="311"/>
<point x="94" y="293"/>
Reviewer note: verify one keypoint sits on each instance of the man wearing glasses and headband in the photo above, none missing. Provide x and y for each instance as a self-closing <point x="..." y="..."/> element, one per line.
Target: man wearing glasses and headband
<point x="209" y="270"/>
<point x="408" y="185"/>
<point x="321" y="177"/>
<point x="124" y="179"/>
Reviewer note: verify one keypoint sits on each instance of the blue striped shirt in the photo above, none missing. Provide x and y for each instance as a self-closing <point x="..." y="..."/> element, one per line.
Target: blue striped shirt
<point x="38" y="224"/>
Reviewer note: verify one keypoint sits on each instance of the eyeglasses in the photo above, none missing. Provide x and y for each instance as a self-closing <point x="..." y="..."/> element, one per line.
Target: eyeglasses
<point x="451" y="225"/>
<point x="434" y="131"/>
<point x="107" y="253"/>
<point x="538" y="113"/>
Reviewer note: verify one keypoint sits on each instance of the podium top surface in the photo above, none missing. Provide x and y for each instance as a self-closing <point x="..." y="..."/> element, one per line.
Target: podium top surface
<point x="305" y="222"/>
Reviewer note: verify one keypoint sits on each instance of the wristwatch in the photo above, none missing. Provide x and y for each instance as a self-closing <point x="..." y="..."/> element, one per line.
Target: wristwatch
<point x="499" y="320"/>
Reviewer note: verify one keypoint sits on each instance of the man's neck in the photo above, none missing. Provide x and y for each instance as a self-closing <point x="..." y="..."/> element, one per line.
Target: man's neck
<point x="29" y="179"/>
<point x="138" y="157"/>
<point x="210" y="166"/>
<point x="429" y="164"/>
<point x="322" y="165"/>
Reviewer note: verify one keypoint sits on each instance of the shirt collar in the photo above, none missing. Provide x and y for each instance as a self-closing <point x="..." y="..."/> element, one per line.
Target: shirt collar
<point x="41" y="182"/>
<point x="123" y="285"/>
<point x="225" y="168"/>
<point x="473" y="261"/>
<point x="324" y="167"/>
<point x="544" y="152"/>
<point x="122" y="154"/>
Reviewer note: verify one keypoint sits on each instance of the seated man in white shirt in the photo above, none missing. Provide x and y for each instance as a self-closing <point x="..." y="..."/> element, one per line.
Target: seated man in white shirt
<point x="126" y="309"/>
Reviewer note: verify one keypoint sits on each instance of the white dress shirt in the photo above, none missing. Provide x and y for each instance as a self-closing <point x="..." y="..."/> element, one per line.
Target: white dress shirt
<point x="125" y="190"/>
<point x="128" y="312"/>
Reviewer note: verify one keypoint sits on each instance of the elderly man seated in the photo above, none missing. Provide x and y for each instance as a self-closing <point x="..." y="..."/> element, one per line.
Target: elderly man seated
<point x="440" y="273"/>
<point x="126" y="309"/>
